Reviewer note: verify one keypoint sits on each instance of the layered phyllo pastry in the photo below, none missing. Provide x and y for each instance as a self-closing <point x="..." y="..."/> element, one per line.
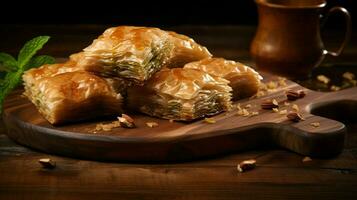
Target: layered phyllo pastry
<point x="127" y="52"/>
<point x="72" y="96"/>
<point x="181" y="94"/>
<point x="244" y="80"/>
<point x="185" y="50"/>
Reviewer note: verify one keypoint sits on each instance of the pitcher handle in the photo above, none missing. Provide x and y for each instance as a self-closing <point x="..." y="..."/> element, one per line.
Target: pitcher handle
<point x="347" y="33"/>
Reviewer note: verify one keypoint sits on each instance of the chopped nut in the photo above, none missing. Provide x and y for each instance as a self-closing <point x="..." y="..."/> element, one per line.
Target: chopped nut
<point x="348" y="76"/>
<point x="294" y="116"/>
<point x="272" y="85"/>
<point x="335" y="88"/>
<point x="126" y="121"/>
<point x="47" y="163"/>
<point x="254" y="113"/>
<point x="260" y="94"/>
<point x="269" y="104"/>
<point x="295" y="107"/>
<point x="243" y="112"/>
<point x="286" y="103"/>
<point x="152" y="124"/>
<point x="324" y="79"/>
<point x="127" y="117"/>
<point x="107" y="127"/>
<point x="306" y="159"/>
<point x="283" y="112"/>
<point x="263" y="87"/>
<point x="248" y="106"/>
<point x="171" y="121"/>
<point x="293" y="95"/>
<point x="238" y="106"/>
<point x="315" y="124"/>
<point x="246" y="165"/>
<point x="275" y="110"/>
<point x="210" y="120"/>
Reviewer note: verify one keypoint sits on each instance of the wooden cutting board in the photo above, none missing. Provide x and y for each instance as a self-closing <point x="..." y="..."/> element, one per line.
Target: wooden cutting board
<point x="186" y="141"/>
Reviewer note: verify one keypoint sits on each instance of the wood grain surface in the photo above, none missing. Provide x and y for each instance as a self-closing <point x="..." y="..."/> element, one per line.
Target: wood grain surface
<point x="186" y="141"/>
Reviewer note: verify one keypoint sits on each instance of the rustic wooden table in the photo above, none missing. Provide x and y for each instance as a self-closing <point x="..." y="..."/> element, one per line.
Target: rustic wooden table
<point x="280" y="174"/>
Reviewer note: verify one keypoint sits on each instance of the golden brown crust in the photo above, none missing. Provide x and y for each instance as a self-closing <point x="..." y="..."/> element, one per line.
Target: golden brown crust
<point x="185" y="50"/>
<point x="62" y="96"/>
<point x="128" y="52"/>
<point x="181" y="94"/>
<point x="243" y="79"/>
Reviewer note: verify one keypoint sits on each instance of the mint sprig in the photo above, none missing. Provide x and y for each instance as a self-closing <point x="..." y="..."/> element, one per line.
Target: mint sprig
<point x="13" y="69"/>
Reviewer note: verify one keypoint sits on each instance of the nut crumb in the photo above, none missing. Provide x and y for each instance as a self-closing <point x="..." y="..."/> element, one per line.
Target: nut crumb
<point x="315" y="124"/>
<point x="283" y="112"/>
<point x="246" y="165"/>
<point x="275" y="110"/>
<point x="254" y="113"/>
<point x="47" y="163"/>
<point x="210" y="120"/>
<point x="152" y="124"/>
<point x="126" y="121"/>
<point x="106" y="127"/>
<point x="269" y="104"/>
<point x="243" y="112"/>
<point x="239" y="107"/>
<point x="294" y="116"/>
<point x="306" y="159"/>
<point x="248" y="106"/>
<point x="271" y="85"/>
<point x="324" y="79"/>
<point x="335" y="88"/>
<point x="348" y="75"/>
<point x="286" y="103"/>
<point x="295" y="107"/>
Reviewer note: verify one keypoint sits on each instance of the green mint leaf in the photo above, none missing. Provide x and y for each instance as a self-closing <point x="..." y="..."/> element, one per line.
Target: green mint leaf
<point x="39" y="61"/>
<point x="8" y="66"/>
<point x="30" y="49"/>
<point x="10" y="81"/>
<point x="4" y="57"/>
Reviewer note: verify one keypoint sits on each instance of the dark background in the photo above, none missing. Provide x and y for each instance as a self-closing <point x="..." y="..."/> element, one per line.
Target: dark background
<point x="135" y="12"/>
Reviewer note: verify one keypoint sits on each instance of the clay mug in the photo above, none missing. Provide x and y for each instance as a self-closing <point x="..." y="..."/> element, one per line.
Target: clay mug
<point x="288" y="41"/>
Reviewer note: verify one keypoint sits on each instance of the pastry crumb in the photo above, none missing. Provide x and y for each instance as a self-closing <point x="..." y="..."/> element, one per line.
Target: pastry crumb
<point x="324" y="79"/>
<point x="315" y="124"/>
<point x="152" y="124"/>
<point x="210" y="120"/>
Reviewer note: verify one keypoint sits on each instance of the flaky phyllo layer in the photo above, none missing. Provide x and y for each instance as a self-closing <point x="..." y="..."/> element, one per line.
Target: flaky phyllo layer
<point x="71" y="96"/>
<point x="181" y="94"/>
<point x="243" y="79"/>
<point x="131" y="53"/>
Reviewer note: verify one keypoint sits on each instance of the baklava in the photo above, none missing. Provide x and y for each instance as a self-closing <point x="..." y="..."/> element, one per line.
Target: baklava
<point x="185" y="50"/>
<point x="181" y="94"/>
<point x="72" y="96"/>
<point x="127" y="52"/>
<point x="244" y="80"/>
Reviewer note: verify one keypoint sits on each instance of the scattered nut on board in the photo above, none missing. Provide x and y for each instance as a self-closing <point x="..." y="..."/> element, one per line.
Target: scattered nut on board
<point x="246" y="165"/>
<point x="269" y="104"/>
<point x="348" y="76"/>
<point x="293" y="95"/>
<point x="126" y="121"/>
<point x="47" y="163"/>
<point x="171" y="121"/>
<point x="152" y="124"/>
<point x="295" y="107"/>
<point x="294" y="116"/>
<point x="254" y="113"/>
<point x="275" y="110"/>
<point x="335" y="88"/>
<point x="315" y="124"/>
<point x="306" y="159"/>
<point x="324" y="79"/>
<point x="243" y="112"/>
<point x="283" y="112"/>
